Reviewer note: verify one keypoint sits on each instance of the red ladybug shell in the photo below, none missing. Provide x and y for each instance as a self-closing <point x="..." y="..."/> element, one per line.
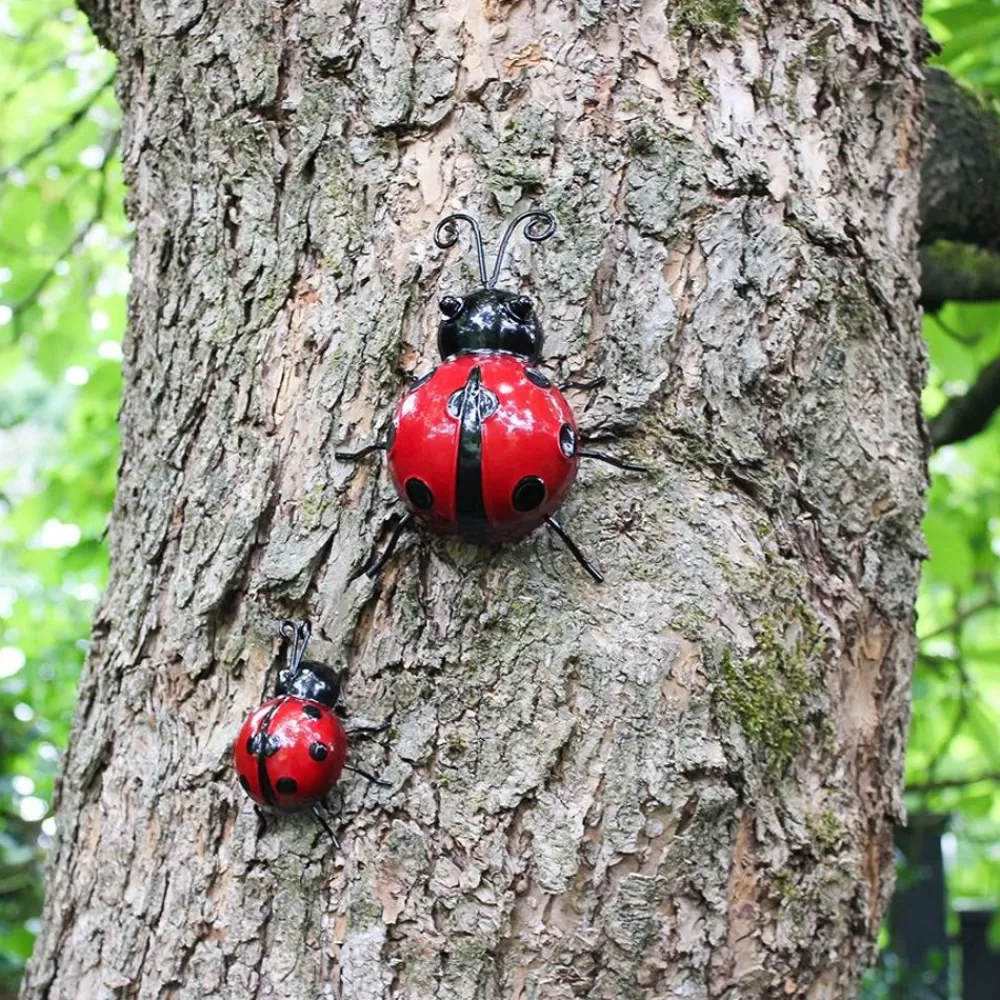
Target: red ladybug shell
<point x="484" y="447"/>
<point x="290" y="753"/>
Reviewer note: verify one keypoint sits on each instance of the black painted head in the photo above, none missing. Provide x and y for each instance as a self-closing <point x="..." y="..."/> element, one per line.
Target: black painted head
<point x="306" y="678"/>
<point x="489" y="319"/>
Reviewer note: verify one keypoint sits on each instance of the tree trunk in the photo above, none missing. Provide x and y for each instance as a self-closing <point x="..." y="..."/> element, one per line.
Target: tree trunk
<point x="679" y="784"/>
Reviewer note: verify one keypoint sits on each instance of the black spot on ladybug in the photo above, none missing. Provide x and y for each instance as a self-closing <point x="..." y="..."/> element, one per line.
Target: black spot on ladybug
<point x="244" y="784"/>
<point x="318" y="751"/>
<point x="528" y="494"/>
<point x="489" y="403"/>
<point x="254" y="744"/>
<point x="534" y="375"/>
<point x="287" y="786"/>
<point x="419" y="493"/>
<point x="423" y="380"/>
<point x="567" y="440"/>
<point x="272" y="747"/>
<point x="312" y="711"/>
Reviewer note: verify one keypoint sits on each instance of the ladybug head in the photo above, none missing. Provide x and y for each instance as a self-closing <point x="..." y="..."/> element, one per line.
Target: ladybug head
<point x="488" y="319"/>
<point x="306" y="678"/>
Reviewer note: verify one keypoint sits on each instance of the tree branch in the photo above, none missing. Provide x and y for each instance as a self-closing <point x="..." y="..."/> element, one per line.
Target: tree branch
<point x="960" y="218"/>
<point x="100" y="204"/>
<point x="960" y="180"/>
<point x="61" y="130"/>
<point x="36" y="74"/>
<point x="961" y="618"/>
<point x="942" y="783"/>
<point x="965" y="416"/>
<point x="957" y="272"/>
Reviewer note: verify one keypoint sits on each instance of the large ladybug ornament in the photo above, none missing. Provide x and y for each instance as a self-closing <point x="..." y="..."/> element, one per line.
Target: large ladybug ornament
<point x="485" y="447"/>
<point x="293" y="749"/>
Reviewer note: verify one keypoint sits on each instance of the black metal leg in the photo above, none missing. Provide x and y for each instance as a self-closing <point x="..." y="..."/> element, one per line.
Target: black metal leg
<point x="326" y="826"/>
<point x="365" y="774"/>
<point x="372" y="569"/>
<point x="363" y="732"/>
<point x="261" y="821"/>
<point x="611" y="460"/>
<point x="355" y="456"/>
<point x="594" y="383"/>
<point x="555" y="526"/>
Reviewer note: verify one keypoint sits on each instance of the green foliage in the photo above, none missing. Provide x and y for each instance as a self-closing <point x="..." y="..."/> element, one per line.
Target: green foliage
<point x="956" y="687"/>
<point x="63" y="275"/>
<point x="968" y="32"/>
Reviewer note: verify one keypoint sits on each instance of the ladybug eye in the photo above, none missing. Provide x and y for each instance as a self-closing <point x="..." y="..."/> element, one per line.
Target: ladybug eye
<point x="567" y="441"/>
<point x="450" y="306"/>
<point x="520" y="308"/>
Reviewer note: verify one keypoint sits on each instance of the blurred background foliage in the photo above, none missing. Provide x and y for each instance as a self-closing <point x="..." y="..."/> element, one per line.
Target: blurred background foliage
<point x="953" y="762"/>
<point x="63" y="281"/>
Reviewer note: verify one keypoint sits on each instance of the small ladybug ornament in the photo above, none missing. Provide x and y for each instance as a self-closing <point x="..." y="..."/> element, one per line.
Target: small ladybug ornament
<point x="485" y="447"/>
<point x="293" y="749"/>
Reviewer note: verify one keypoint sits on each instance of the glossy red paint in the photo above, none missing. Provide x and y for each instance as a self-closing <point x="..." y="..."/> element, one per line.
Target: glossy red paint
<point x="309" y="748"/>
<point x="531" y="433"/>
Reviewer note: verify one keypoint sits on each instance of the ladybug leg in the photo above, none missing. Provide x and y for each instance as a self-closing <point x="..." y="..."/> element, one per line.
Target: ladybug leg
<point x="373" y="566"/>
<point x="362" y="730"/>
<point x="261" y="821"/>
<point x="611" y="460"/>
<point x="365" y="774"/>
<point x="326" y="826"/>
<point x="356" y="456"/>
<point x="555" y="526"/>
<point x="594" y="383"/>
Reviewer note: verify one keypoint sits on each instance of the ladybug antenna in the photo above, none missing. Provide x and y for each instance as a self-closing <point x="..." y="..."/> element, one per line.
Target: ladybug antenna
<point x="446" y="235"/>
<point x="298" y="633"/>
<point x="540" y="226"/>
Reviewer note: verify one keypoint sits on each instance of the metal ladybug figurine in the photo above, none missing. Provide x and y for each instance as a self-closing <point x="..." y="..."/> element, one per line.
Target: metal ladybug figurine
<point x="292" y="750"/>
<point x="485" y="447"/>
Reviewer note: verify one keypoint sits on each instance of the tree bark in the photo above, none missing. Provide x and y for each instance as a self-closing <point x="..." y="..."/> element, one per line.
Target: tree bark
<point x="960" y="192"/>
<point x="682" y="783"/>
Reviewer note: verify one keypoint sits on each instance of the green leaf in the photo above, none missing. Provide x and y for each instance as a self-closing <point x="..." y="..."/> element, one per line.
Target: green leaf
<point x="951" y="555"/>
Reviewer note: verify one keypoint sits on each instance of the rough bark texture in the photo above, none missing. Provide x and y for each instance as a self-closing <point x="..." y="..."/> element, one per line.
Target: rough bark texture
<point x="681" y="784"/>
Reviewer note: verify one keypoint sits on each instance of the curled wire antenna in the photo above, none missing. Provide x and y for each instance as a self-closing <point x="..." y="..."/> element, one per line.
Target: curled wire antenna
<point x="446" y="235"/>
<point x="298" y="633"/>
<point x="539" y="225"/>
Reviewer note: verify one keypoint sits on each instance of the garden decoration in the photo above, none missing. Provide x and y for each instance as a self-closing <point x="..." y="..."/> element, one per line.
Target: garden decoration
<point x="292" y="750"/>
<point x="485" y="447"/>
